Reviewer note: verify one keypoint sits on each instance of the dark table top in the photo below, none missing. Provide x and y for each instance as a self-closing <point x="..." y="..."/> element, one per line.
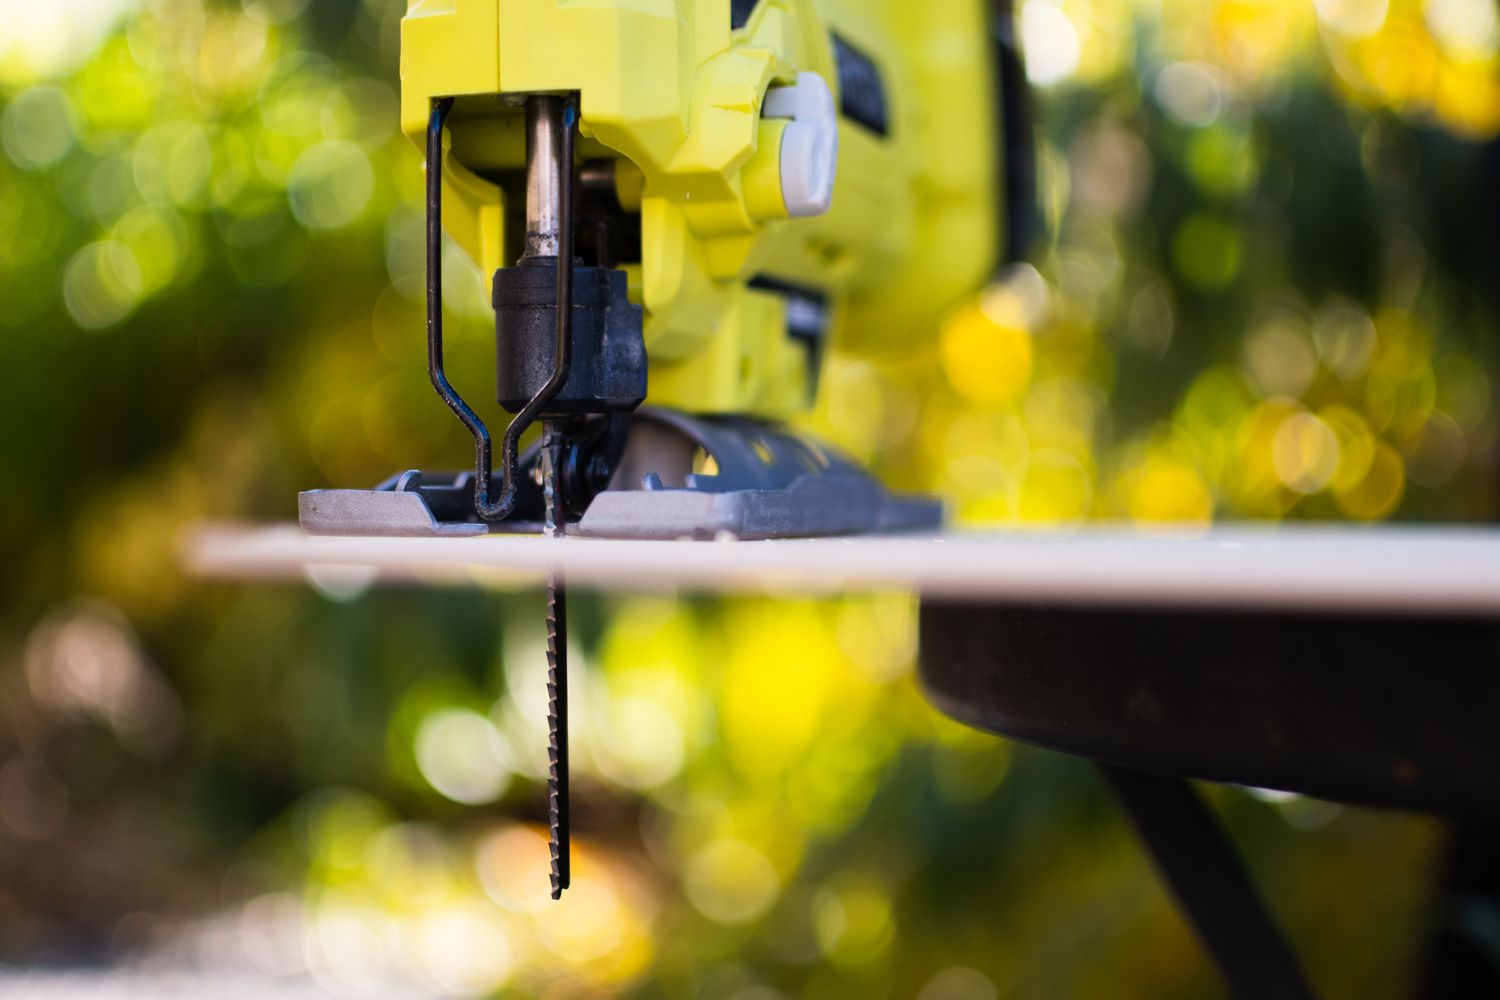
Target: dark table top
<point x="1377" y="709"/>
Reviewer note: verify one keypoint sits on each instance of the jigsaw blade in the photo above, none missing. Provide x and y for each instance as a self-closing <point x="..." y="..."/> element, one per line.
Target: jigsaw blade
<point x="557" y="673"/>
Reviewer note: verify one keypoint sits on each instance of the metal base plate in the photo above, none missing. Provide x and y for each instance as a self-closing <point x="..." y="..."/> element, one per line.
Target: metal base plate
<point x="810" y="506"/>
<point x="752" y="481"/>
<point x="389" y="513"/>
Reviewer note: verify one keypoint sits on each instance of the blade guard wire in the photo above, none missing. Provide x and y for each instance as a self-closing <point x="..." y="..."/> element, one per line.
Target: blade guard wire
<point x="501" y="507"/>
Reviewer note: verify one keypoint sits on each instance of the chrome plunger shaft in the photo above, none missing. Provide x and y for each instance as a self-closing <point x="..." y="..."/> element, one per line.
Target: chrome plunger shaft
<point x="550" y="124"/>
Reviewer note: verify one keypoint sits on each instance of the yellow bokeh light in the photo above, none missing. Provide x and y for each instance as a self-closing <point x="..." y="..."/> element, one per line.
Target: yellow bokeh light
<point x="780" y="671"/>
<point x="586" y="924"/>
<point x="1353" y="18"/>
<point x="1304" y="453"/>
<point x="49" y="39"/>
<point x="36" y="126"/>
<point x="513" y="864"/>
<point x="643" y="744"/>
<point x="879" y="634"/>
<point x="1051" y="42"/>
<point x="1253" y="479"/>
<point x="854" y="925"/>
<point x="463" y="755"/>
<point x="731" y="882"/>
<point x="1356" y="445"/>
<point x="157" y="239"/>
<point x="1165" y="488"/>
<point x="1252" y="38"/>
<point x="1378" y="493"/>
<point x="987" y="362"/>
<point x="103" y="285"/>
<point x="1052" y="486"/>
<point x="232" y="54"/>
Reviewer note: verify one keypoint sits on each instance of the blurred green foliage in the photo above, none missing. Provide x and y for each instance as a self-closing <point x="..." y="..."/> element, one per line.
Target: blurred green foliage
<point x="1267" y="289"/>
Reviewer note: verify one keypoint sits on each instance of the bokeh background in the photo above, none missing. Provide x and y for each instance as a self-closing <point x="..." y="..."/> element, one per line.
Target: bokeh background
<point x="1265" y="287"/>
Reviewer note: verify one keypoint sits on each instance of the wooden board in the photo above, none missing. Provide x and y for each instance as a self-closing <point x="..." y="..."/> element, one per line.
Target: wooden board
<point x="1384" y="570"/>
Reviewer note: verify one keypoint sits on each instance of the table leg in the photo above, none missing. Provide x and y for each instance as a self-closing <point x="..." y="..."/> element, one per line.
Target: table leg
<point x="1210" y="883"/>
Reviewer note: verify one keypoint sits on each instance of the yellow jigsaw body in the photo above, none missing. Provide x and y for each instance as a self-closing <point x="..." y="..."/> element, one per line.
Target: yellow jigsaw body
<point x="672" y="93"/>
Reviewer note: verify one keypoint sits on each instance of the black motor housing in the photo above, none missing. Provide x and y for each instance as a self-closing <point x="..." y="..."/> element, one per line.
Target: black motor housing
<point x="607" y="370"/>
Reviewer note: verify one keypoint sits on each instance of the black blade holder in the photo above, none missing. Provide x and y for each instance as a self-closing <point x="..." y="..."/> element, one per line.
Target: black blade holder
<point x="568" y="347"/>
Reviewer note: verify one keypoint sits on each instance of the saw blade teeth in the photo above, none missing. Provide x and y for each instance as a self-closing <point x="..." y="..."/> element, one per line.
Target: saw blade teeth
<point x="554" y="756"/>
<point x="557" y="677"/>
<point x="557" y="758"/>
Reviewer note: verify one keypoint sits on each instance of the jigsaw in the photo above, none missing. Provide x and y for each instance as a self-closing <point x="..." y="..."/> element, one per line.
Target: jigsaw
<point x="684" y="203"/>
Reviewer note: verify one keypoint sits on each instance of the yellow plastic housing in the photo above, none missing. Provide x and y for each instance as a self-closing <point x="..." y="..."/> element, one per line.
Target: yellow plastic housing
<point x="669" y="88"/>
